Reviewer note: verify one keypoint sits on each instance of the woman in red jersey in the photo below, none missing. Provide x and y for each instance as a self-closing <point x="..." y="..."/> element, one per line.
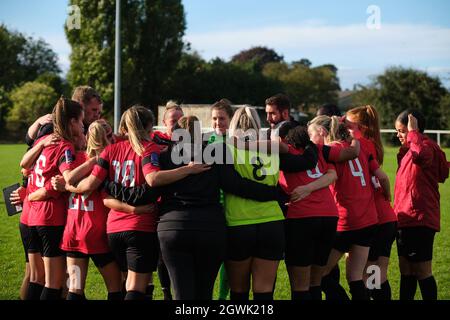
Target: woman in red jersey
<point x="47" y="218"/>
<point x="357" y="212"/>
<point x="85" y="231"/>
<point x="366" y="120"/>
<point x="132" y="237"/>
<point x="421" y="167"/>
<point x="311" y="220"/>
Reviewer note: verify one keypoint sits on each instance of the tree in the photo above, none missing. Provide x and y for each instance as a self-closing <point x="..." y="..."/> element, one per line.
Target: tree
<point x="257" y="57"/>
<point x="23" y="59"/>
<point x="151" y="35"/>
<point x="306" y="86"/>
<point x="198" y="81"/>
<point x="399" y="89"/>
<point x="29" y="102"/>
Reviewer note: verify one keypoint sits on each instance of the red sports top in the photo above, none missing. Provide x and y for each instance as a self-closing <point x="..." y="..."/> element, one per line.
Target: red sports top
<point x="384" y="209"/>
<point x="53" y="160"/>
<point x="319" y="203"/>
<point x="85" y="229"/>
<point x="416" y="193"/>
<point x="25" y="211"/>
<point x="119" y="163"/>
<point x="353" y="193"/>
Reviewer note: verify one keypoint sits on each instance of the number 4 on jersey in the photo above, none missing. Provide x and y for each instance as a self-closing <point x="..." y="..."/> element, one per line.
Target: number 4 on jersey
<point x="358" y="173"/>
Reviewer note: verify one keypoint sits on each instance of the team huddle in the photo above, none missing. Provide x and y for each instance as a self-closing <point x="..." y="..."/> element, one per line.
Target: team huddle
<point x="308" y="195"/>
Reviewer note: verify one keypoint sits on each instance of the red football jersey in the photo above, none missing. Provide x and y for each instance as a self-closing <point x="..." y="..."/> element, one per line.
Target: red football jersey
<point x="53" y="160"/>
<point x="319" y="203"/>
<point x="85" y="229"/>
<point x="416" y="192"/>
<point x="353" y="192"/>
<point x="121" y="164"/>
<point x="25" y="211"/>
<point x="384" y="209"/>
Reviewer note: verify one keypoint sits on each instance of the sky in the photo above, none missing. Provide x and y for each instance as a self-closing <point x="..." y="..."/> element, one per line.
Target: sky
<point x="362" y="38"/>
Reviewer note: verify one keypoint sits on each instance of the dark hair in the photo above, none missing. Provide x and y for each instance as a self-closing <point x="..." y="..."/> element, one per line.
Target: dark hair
<point x="286" y="127"/>
<point x="63" y="112"/>
<point x="421" y="121"/>
<point x="329" y="109"/>
<point x="298" y="137"/>
<point x="281" y="101"/>
<point x="225" y="105"/>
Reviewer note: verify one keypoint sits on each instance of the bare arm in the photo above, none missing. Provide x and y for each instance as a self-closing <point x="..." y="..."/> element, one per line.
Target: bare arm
<point x="39" y="195"/>
<point x="80" y="172"/>
<point x="34" y="128"/>
<point x="351" y="152"/>
<point x="384" y="182"/>
<point x="30" y="157"/>
<point x="87" y="185"/>
<point x="165" y="177"/>
<point x="324" y="181"/>
<point x="115" y="204"/>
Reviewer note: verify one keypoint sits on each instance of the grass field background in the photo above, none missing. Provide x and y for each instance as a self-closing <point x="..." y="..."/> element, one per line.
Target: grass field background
<point x="12" y="261"/>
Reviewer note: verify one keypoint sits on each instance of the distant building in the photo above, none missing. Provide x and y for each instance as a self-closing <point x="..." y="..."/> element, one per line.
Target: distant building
<point x="203" y="112"/>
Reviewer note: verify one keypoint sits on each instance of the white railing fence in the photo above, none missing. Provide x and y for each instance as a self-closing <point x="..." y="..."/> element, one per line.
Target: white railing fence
<point x="438" y="133"/>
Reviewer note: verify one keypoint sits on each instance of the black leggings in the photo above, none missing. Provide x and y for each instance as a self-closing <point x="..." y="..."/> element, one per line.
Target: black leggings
<point x="193" y="259"/>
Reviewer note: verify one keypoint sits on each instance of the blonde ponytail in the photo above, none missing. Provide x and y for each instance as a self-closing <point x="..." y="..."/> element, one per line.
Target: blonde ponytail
<point x="96" y="138"/>
<point x="135" y="123"/>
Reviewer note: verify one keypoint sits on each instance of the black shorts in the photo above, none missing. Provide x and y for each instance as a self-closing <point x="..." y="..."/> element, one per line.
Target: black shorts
<point x="362" y="237"/>
<point x="136" y="251"/>
<point x="46" y="240"/>
<point x="309" y="240"/>
<point x="383" y="240"/>
<point x="415" y="243"/>
<point x="262" y="240"/>
<point x="100" y="260"/>
<point x="25" y="235"/>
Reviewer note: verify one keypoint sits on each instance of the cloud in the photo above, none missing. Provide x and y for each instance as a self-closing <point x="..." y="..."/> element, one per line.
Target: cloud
<point x="391" y="41"/>
<point x="366" y="51"/>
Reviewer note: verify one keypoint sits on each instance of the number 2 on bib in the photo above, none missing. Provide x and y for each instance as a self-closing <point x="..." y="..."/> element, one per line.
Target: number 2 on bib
<point x="358" y="173"/>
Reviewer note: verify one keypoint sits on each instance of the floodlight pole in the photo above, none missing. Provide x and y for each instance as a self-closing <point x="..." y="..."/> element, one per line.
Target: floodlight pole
<point x="117" y="71"/>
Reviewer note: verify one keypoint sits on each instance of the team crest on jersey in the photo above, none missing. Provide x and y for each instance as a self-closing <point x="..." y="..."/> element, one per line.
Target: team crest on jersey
<point x="69" y="156"/>
<point x="154" y="159"/>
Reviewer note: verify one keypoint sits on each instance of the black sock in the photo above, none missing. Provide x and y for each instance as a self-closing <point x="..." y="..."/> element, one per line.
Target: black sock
<point x="408" y="287"/>
<point x="149" y="291"/>
<point x="301" y="296"/>
<point x="382" y="294"/>
<point x="358" y="290"/>
<point x="51" y="294"/>
<point x="316" y="293"/>
<point x="167" y="294"/>
<point x="115" y="296"/>
<point x="239" y="296"/>
<point x="75" y="297"/>
<point x="135" y="295"/>
<point x="34" y="291"/>
<point x="263" y="296"/>
<point x="428" y="288"/>
<point x="333" y="290"/>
